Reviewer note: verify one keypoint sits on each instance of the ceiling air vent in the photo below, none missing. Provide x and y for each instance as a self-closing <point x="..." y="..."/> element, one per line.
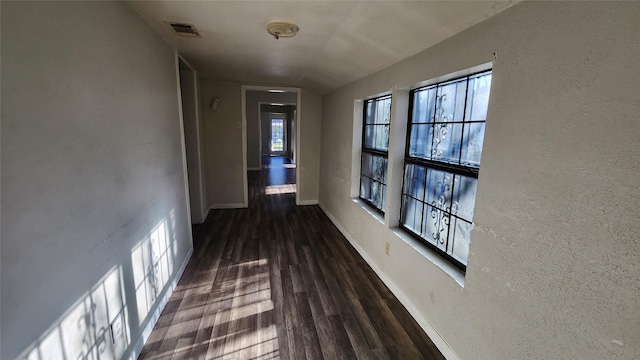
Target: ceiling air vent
<point x="184" y="29"/>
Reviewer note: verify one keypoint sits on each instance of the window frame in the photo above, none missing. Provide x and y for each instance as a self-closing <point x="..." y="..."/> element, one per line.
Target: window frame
<point x="453" y="169"/>
<point x="375" y="152"/>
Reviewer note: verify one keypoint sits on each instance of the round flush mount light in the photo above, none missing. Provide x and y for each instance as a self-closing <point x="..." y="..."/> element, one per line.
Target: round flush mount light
<point x="282" y="29"/>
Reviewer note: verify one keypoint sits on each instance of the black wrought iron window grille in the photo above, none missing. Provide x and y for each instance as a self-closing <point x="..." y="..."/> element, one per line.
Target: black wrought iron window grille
<point x="375" y="148"/>
<point x="442" y="159"/>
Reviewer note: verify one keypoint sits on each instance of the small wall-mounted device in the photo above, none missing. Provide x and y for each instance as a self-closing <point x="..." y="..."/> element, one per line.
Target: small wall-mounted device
<point x="214" y="103"/>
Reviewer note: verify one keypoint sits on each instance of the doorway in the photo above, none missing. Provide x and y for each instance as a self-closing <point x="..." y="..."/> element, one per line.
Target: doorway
<point x="277" y="130"/>
<point x="192" y="141"/>
<point x="270" y="118"/>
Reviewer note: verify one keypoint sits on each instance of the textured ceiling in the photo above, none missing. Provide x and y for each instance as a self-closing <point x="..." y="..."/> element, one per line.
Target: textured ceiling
<point x="338" y="42"/>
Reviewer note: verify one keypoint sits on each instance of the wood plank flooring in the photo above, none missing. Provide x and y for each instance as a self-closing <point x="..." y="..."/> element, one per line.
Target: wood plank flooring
<point x="276" y="281"/>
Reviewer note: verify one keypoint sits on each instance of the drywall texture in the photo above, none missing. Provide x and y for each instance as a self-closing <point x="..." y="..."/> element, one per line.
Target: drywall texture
<point x="223" y="144"/>
<point x="253" y="99"/>
<point x="555" y="253"/>
<point x="223" y="130"/>
<point x="94" y="223"/>
<point x="308" y="159"/>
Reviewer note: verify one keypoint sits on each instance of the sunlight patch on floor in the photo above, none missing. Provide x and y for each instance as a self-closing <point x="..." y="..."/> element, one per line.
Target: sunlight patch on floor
<point x="239" y="322"/>
<point x="280" y="189"/>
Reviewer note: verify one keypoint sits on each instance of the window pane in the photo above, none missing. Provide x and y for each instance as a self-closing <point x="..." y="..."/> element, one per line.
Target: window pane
<point x="370" y="112"/>
<point x="439" y="189"/>
<point x="424" y="105"/>
<point x="420" y="142"/>
<point x="376" y="195"/>
<point x="446" y="142"/>
<point x="369" y="138"/>
<point x="383" y="111"/>
<point x="464" y="197"/>
<point x="382" y="137"/>
<point x="472" y="144"/>
<point x="385" y="170"/>
<point x="378" y="168"/>
<point x="436" y="226"/>
<point x="478" y="97"/>
<point x="450" y="101"/>
<point x="461" y="239"/>
<point x="411" y="216"/>
<point x="414" y="181"/>
<point x="365" y="187"/>
<point x="366" y="165"/>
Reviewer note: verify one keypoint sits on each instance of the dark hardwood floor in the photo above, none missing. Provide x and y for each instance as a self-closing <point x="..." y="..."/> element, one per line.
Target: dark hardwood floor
<point x="277" y="281"/>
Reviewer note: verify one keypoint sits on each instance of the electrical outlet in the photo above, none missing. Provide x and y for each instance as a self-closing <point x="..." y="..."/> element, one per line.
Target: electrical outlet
<point x="387" y="248"/>
<point x="116" y="328"/>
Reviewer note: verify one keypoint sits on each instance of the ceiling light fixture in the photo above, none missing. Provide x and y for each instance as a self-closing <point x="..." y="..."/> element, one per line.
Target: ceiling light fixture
<point x="282" y="29"/>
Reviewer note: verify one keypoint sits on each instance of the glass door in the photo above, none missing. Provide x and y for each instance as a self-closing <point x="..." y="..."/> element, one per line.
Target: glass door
<point x="277" y="136"/>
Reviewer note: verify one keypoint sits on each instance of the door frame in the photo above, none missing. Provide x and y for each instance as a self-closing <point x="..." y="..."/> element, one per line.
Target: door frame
<point x="243" y="90"/>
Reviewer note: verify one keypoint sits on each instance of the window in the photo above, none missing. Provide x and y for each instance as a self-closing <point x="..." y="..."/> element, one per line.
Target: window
<point x="277" y="135"/>
<point x="375" y="147"/>
<point x="442" y="160"/>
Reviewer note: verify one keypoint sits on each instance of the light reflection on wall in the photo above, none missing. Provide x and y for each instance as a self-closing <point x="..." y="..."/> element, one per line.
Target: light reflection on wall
<point x="152" y="266"/>
<point x="83" y="332"/>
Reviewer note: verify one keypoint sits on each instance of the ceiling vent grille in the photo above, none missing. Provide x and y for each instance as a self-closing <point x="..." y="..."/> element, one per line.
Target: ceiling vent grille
<point x="184" y="29"/>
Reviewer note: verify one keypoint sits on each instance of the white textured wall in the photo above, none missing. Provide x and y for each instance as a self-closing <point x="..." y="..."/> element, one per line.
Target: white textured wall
<point x="223" y="144"/>
<point x="555" y="254"/>
<point x="94" y="217"/>
<point x="308" y="158"/>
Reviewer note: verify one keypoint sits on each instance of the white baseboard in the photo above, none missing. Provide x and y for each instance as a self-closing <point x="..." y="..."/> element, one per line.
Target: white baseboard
<point x="438" y="341"/>
<point x="162" y="302"/>
<point x="308" y="202"/>
<point x="227" y="206"/>
<point x="205" y="215"/>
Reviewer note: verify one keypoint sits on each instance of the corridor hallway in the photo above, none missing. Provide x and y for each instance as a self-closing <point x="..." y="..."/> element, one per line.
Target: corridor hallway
<point x="277" y="281"/>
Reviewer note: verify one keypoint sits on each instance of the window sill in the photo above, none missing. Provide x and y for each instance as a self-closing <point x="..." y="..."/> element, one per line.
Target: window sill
<point x="366" y="207"/>
<point x="430" y="255"/>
